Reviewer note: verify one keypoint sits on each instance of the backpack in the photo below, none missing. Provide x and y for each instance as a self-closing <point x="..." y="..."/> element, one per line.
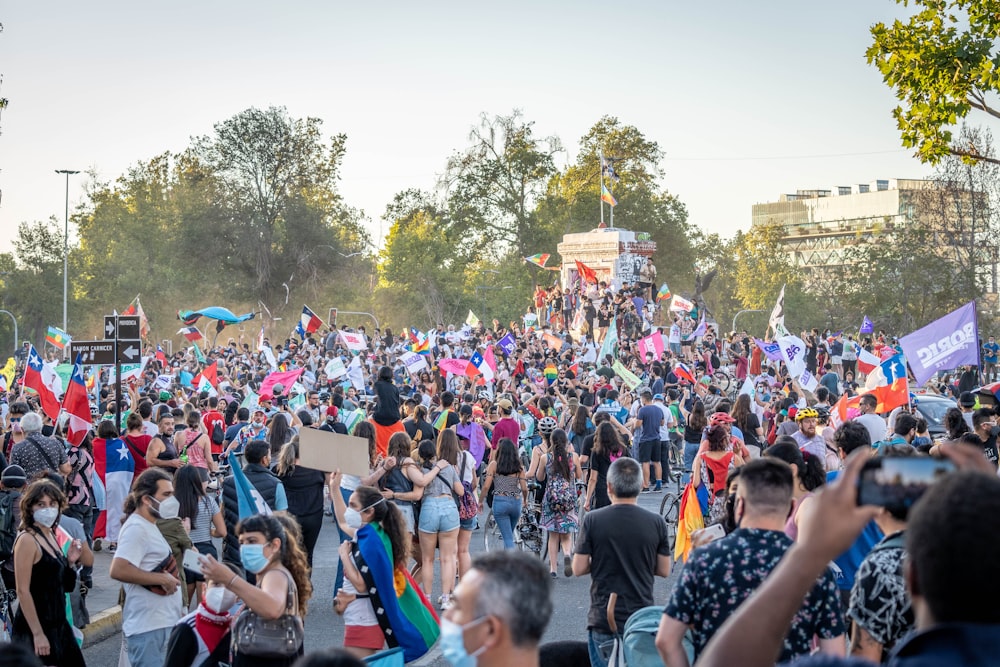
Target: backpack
<point x="8" y="531"/>
<point x="468" y="506"/>
<point x="639" y="637"/>
<point x="559" y="492"/>
<point x="218" y="434"/>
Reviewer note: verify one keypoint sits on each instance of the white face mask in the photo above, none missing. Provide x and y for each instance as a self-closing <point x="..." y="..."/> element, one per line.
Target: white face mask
<point x="219" y="599"/>
<point x="169" y="508"/>
<point x="352" y="518"/>
<point x="46" y="516"/>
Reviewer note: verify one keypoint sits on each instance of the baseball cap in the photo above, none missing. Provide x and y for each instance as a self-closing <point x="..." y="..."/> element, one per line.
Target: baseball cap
<point x="967" y="399"/>
<point x="505" y="405"/>
<point x="658" y="397"/>
<point x="13" y="476"/>
<point x="278" y="388"/>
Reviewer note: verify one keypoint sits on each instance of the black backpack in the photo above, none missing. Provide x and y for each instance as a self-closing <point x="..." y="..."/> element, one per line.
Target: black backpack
<point x="218" y="434"/>
<point x="8" y="530"/>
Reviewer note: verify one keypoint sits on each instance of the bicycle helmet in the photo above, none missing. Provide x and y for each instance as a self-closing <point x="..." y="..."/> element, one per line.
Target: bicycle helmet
<point x="822" y="412"/>
<point x="546" y="425"/>
<point x="806" y="413"/>
<point x="485" y="395"/>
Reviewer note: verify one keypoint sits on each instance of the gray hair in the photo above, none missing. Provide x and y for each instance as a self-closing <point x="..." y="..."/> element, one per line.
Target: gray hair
<point x="625" y="478"/>
<point x="516" y="589"/>
<point x="31" y="422"/>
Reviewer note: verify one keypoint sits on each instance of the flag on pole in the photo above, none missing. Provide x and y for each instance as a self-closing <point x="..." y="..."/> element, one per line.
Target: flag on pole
<point x="77" y="405"/>
<point x="538" y="260"/>
<point x="587" y="274"/>
<point x="480" y="363"/>
<point x="286" y="378"/>
<point x="135" y="308"/>
<point x="249" y="501"/>
<point x="663" y="294"/>
<point x="260" y="339"/>
<point x="309" y="322"/>
<point x="34" y="379"/>
<point x="867" y="326"/>
<point x="114" y="465"/>
<point x="778" y="312"/>
<point x="507" y="344"/>
<point x="944" y="344"/>
<point x="161" y="357"/>
<point x="190" y="333"/>
<point x="57" y="338"/>
<point x="867" y="362"/>
<point x="198" y="354"/>
<point x="490" y="359"/>
<point x="682" y="371"/>
<point x="472" y="320"/>
<point x="607" y="197"/>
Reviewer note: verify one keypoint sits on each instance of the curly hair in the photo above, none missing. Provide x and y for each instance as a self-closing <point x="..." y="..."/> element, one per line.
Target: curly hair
<point x="33" y="493"/>
<point x="283" y="527"/>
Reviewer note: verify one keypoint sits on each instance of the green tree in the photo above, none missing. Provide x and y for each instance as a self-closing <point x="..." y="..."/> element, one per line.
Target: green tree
<point x="493" y="186"/>
<point x="33" y="284"/>
<point x="942" y="64"/>
<point x="572" y="198"/>
<point x="420" y="277"/>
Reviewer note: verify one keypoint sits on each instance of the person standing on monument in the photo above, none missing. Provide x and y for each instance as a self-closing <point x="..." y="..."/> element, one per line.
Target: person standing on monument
<point x="647" y="279"/>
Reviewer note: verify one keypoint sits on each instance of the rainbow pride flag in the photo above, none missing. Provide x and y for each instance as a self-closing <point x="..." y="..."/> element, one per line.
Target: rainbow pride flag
<point x="607" y="197"/>
<point x="551" y="373"/>
<point x="403" y="612"/>
<point x="441" y="422"/>
<point x="664" y="293"/>
<point x="538" y="260"/>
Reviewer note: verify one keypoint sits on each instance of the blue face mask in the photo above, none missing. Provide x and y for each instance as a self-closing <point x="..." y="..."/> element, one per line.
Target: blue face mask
<point x="453" y="643"/>
<point x="252" y="556"/>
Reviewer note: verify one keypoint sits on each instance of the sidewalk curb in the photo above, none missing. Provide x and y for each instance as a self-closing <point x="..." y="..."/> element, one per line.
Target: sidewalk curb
<point x="102" y="625"/>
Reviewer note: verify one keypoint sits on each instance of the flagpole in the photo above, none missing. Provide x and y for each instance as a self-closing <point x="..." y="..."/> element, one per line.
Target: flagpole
<point x="600" y="201"/>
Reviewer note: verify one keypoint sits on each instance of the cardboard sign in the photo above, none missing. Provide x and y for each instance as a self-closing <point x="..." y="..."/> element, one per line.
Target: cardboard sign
<point x="327" y="452"/>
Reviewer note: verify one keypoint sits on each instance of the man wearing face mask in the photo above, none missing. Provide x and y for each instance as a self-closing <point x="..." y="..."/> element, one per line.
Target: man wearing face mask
<point x="498" y="612"/>
<point x="14" y="433"/>
<point x="152" y="594"/>
<point x="720" y="576"/>
<point x="255" y="430"/>
<point x="202" y="638"/>
<point x="984" y="435"/>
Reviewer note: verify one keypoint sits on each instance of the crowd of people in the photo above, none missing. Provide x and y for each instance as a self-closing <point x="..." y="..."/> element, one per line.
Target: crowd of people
<point x="559" y="417"/>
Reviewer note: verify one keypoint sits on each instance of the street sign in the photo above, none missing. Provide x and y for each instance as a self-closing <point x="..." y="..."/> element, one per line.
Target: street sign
<point x="93" y="352"/>
<point x="128" y="328"/>
<point x="110" y="327"/>
<point x="129" y="351"/>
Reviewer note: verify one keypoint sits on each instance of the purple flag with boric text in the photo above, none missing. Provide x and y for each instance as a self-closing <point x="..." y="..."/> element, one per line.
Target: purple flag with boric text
<point x="771" y="350"/>
<point x="507" y="344"/>
<point x="944" y="344"/>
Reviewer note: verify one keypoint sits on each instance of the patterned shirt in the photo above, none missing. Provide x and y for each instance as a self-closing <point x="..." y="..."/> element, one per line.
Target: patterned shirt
<point x="29" y="454"/>
<point x="720" y="576"/>
<point x="879" y="601"/>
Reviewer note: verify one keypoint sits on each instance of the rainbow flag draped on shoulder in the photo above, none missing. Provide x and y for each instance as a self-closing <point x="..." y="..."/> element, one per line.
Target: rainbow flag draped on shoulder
<point x="403" y="612"/>
<point x="441" y="422"/>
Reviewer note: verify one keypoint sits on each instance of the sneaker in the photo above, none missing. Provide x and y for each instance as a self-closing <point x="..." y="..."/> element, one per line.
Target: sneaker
<point x="444" y="601"/>
<point x="553" y="575"/>
<point x="645" y="489"/>
<point x="567" y="566"/>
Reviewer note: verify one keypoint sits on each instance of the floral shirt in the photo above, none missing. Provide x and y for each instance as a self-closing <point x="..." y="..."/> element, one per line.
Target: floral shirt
<point x="720" y="576"/>
<point x="879" y="601"/>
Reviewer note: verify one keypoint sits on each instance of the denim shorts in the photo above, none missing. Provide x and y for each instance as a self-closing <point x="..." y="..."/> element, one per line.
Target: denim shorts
<point x="406" y="509"/>
<point x="468" y="524"/>
<point x="438" y="515"/>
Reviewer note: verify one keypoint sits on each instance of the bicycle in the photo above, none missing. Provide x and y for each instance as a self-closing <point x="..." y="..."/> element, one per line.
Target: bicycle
<point x="670" y="506"/>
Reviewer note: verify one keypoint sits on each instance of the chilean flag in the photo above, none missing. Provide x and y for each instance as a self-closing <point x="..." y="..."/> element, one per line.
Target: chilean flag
<point x="684" y="373"/>
<point x="161" y="357"/>
<point x="76" y="404"/>
<point x="309" y="321"/>
<point x="33" y="380"/>
<point x="867" y="362"/>
<point x="207" y="379"/>
<point x="114" y="465"/>
<point x="480" y="363"/>
<point x="190" y="333"/>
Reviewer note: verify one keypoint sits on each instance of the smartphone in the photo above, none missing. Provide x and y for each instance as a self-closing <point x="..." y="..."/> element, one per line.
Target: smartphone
<point x="897" y="483"/>
<point x="192" y="560"/>
<point x="712" y="533"/>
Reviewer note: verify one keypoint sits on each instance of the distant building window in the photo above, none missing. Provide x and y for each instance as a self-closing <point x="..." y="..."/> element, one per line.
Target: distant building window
<point x="843" y="189"/>
<point x="863" y="187"/>
<point x="882" y="185"/>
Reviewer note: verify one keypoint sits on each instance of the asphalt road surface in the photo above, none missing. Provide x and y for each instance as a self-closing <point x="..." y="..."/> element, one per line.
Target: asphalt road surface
<point x="325" y="629"/>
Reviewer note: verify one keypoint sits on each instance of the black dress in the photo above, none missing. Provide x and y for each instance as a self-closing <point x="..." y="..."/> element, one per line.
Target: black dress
<point x="51" y="579"/>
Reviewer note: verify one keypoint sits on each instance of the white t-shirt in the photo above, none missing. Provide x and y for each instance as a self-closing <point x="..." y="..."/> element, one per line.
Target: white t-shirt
<point x="141" y="544"/>
<point x="668" y="420"/>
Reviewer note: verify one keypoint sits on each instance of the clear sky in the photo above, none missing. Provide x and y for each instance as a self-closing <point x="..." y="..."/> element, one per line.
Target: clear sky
<point x="737" y="94"/>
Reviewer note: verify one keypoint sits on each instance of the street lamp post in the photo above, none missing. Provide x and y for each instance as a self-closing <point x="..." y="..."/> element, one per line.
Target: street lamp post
<point x="68" y="173"/>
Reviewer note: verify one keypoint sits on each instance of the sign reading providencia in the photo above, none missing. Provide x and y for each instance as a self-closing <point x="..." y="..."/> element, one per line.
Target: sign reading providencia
<point x="944" y="344"/>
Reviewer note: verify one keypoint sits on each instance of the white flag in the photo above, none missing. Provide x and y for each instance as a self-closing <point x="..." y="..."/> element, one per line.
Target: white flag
<point x="354" y="341"/>
<point x="793" y="351"/>
<point x="778" y="314"/>
<point x="681" y="305"/>
<point x="808" y="381"/>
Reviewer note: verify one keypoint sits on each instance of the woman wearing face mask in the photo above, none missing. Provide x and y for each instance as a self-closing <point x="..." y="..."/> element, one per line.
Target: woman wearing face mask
<point x="44" y="575"/>
<point x="201" y="639"/>
<point x="199" y="513"/>
<point x="281" y="572"/>
<point x="372" y="568"/>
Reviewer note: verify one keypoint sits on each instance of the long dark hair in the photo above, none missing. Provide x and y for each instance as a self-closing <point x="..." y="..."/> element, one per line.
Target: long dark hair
<point x="697" y="421"/>
<point x="812" y="472"/>
<point x="560" y="453"/>
<point x="579" y="425"/>
<point x="367" y="431"/>
<point x="741" y="411"/>
<point x="279" y="434"/>
<point x="144" y="485"/>
<point x="508" y="462"/>
<point x="387" y="514"/>
<point x="188" y="489"/>
<point x="606" y="440"/>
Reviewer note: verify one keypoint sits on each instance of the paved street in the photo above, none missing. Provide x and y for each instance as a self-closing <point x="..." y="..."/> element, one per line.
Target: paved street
<point x="325" y="629"/>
